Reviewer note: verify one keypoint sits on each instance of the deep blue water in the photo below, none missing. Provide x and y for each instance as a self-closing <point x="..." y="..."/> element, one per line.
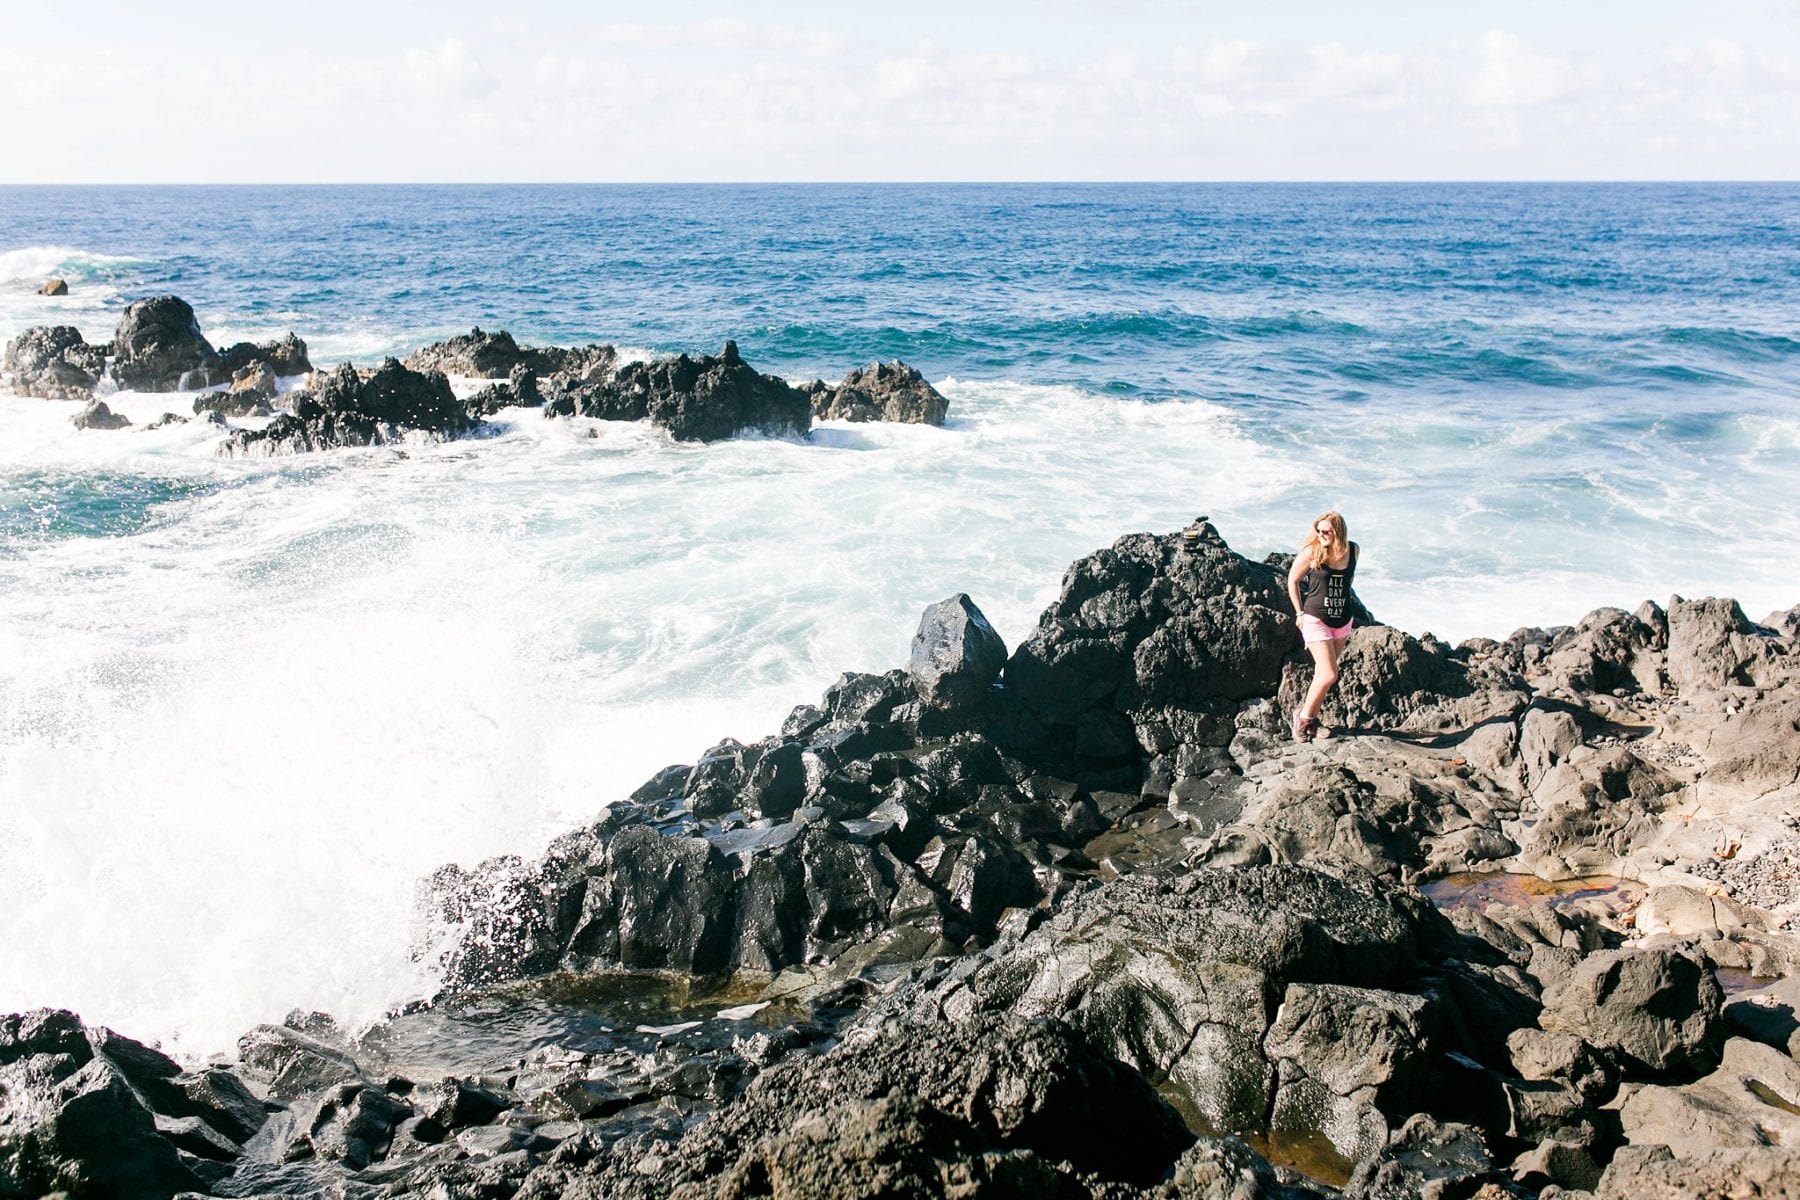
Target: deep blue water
<point x="1264" y="295"/>
<point x="324" y="677"/>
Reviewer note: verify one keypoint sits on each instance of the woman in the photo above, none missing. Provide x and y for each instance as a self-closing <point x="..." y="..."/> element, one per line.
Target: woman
<point x="1319" y="586"/>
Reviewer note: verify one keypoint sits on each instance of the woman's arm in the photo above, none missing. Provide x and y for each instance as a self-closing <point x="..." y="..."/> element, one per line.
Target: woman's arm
<point x="1302" y="561"/>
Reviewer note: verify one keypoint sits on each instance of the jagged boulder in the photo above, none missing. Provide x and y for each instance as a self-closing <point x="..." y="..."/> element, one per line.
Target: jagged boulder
<point x="998" y="1107"/>
<point x="637" y="898"/>
<point x="1609" y="650"/>
<point x="956" y="655"/>
<point x="1155" y="622"/>
<point x="1388" y="679"/>
<point x="478" y="354"/>
<point x="1183" y="981"/>
<point x="98" y="416"/>
<point x="158" y="347"/>
<point x="880" y="391"/>
<point x="1427" y="1159"/>
<point x="1348" y="1062"/>
<point x="518" y="390"/>
<point x="86" y="1111"/>
<point x="1657" y="1011"/>
<point x="53" y="362"/>
<point x="1385" y="808"/>
<point x="341" y="408"/>
<point x="1594" y="809"/>
<point x="54" y="287"/>
<point x="254" y="384"/>
<point x="1713" y="644"/>
<point x="284" y="357"/>
<point x="702" y="399"/>
<point x="482" y="355"/>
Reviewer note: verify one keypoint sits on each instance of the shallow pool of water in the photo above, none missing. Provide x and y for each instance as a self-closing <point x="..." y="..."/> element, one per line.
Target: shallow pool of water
<point x="1478" y="889"/>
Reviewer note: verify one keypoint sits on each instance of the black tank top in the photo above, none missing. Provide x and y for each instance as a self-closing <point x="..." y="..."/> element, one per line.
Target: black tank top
<point x="1325" y="593"/>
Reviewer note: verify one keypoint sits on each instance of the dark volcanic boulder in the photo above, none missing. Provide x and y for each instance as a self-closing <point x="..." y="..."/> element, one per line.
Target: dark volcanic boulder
<point x="1388" y="679"/>
<point x="1426" y="1159"/>
<point x="518" y="389"/>
<point x="1611" y="649"/>
<point x="1184" y="981"/>
<point x="1154" y="623"/>
<point x="97" y="416"/>
<point x="341" y="408"/>
<point x="696" y="400"/>
<point x="285" y="356"/>
<point x="86" y="1111"/>
<point x="1004" y="1107"/>
<point x="880" y="392"/>
<point x="54" y="363"/>
<point x="54" y="287"/>
<point x="476" y="353"/>
<point x="956" y="655"/>
<point x="158" y="347"/>
<point x="758" y="900"/>
<point x="1658" y="1011"/>
<point x="573" y="364"/>
<point x="482" y="355"/>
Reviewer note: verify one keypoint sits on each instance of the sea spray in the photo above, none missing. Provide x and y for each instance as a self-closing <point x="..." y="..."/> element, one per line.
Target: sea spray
<point x="244" y="706"/>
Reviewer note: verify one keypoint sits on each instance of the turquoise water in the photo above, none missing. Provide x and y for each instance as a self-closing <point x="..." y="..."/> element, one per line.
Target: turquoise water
<point x="243" y="705"/>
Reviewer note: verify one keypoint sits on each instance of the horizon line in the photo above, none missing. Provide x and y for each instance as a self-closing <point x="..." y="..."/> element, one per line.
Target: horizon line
<point x="397" y="183"/>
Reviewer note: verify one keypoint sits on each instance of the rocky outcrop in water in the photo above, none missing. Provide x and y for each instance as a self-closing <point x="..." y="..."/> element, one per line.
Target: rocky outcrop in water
<point x="482" y="355"/>
<point x="282" y="358"/>
<point x="54" y="287"/>
<point x="518" y="389"/>
<point x="53" y="362"/>
<point x="997" y="897"/>
<point x="703" y="399"/>
<point x="889" y="391"/>
<point x="98" y="416"/>
<point x="343" y="408"/>
<point x="158" y="347"/>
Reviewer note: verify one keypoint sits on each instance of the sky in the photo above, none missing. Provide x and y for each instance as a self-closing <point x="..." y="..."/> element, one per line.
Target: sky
<point x="103" y="91"/>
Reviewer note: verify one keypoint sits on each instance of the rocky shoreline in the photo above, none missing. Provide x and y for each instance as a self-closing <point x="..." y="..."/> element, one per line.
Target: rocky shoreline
<point x="1077" y="919"/>
<point x="159" y="347"/>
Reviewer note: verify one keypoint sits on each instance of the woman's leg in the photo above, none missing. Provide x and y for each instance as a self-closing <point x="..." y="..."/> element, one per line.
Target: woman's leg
<point x="1325" y="673"/>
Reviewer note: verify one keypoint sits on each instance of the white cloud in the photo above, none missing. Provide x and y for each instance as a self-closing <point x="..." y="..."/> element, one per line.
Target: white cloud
<point x="719" y="33"/>
<point x="677" y="101"/>
<point x="1368" y="78"/>
<point x="448" y="69"/>
<point x="1509" y="74"/>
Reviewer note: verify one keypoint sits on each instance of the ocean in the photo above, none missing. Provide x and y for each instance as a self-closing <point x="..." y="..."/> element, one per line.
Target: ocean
<point x="246" y="705"/>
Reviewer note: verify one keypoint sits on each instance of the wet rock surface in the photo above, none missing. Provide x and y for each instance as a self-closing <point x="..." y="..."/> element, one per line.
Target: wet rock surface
<point x="283" y="358"/>
<point x="695" y="399"/>
<point x="1068" y="921"/>
<point x="343" y="408"/>
<point x="890" y="391"/>
<point x="54" y="362"/>
<point x="96" y="415"/>
<point x="158" y="347"/>
<point x="90" y="1113"/>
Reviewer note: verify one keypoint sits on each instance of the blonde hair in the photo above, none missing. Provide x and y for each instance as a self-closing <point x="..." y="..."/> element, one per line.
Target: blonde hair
<point x="1340" y="538"/>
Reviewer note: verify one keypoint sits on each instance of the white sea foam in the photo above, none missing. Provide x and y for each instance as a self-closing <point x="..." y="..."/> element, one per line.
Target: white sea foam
<point x="233" y="736"/>
<point x="35" y="264"/>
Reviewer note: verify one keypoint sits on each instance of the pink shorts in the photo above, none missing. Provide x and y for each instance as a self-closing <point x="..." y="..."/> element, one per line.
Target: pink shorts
<point x="1314" y="630"/>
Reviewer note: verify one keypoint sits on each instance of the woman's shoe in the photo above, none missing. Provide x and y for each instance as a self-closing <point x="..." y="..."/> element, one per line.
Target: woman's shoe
<point x="1305" y="728"/>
